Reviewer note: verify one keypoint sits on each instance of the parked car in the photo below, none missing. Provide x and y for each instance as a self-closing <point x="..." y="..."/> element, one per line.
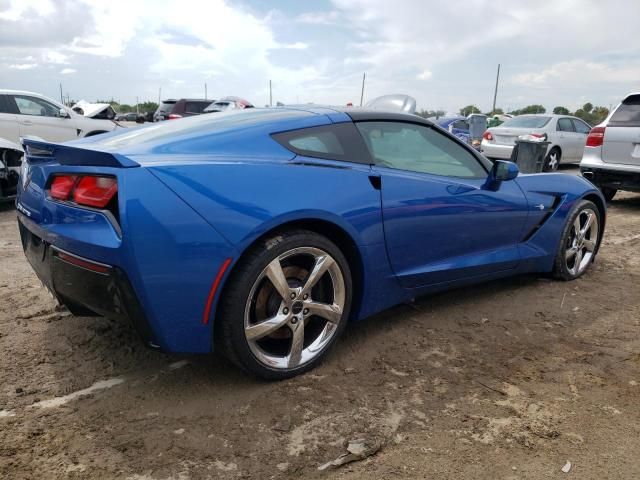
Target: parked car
<point x="101" y="111"/>
<point x="31" y="114"/>
<point x="227" y="103"/>
<point x="185" y="107"/>
<point x="611" y="157"/>
<point x="566" y="136"/>
<point x="284" y="224"/>
<point x="129" y="117"/>
<point x="457" y="125"/>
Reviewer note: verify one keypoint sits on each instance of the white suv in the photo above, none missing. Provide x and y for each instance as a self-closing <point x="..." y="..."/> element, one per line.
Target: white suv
<point x="26" y="113"/>
<point x="611" y="159"/>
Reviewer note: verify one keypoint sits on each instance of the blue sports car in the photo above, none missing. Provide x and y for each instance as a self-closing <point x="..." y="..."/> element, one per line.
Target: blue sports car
<point x="260" y="233"/>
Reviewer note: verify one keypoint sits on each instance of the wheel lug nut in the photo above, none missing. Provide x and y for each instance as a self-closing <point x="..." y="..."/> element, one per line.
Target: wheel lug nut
<point x="306" y="295"/>
<point x="305" y="311"/>
<point x="293" y="295"/>
<point x="285" y="310"/>
<point x="294" y="320"/>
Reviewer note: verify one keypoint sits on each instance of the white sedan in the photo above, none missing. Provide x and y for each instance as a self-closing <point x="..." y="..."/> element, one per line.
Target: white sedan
<point x="566" y="136"/>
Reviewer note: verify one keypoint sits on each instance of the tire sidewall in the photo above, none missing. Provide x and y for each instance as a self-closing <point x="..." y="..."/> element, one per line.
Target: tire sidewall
<point x="560" y="267"/>
<point x="233" y="309"/>
<point x="548" y="159"/>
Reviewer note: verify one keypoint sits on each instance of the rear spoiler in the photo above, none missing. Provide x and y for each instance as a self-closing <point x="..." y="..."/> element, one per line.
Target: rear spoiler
<point x="41" y="151"/>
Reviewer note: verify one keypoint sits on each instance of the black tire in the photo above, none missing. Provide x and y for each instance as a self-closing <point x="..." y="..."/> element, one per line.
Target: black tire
<point x="608" y="193"/>
<point x="230" y="335"/>
<point x="552" y="160"/>
<point x="561" y="269"/>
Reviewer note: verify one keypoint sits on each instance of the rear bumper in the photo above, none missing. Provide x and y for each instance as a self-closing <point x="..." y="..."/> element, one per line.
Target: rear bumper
<point x="83" y="284"/>
<point x="493" y="150"/>
<point x="612" y="178"/>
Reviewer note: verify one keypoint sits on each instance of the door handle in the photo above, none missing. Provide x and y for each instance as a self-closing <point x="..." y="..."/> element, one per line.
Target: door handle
<point x="26" y="123"/>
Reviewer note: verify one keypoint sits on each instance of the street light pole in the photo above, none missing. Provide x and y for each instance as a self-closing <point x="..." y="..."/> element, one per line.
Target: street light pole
<point x="495" y="92"/>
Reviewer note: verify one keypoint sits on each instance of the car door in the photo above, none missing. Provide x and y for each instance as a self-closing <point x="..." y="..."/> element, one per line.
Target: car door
<point x="440" y="224"/>
<point x="8" y="122"/>
<point x="582" y="131"/>
<point x="567" y="139"/>
<point x="42" y="119"/>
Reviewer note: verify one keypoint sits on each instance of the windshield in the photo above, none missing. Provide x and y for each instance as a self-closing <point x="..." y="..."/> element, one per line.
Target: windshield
<point x="526" y="121"/>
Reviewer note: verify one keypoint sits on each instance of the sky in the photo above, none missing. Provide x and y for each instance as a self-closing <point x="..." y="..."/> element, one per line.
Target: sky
<point x="445" y="53"/>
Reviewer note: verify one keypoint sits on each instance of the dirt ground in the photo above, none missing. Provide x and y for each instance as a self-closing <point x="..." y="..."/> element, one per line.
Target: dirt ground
<point x="508" y="380"/>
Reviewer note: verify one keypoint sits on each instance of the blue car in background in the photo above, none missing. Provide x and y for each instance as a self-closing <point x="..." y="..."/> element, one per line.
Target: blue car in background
<point x="261" y="232"/>
<point x="458" y="126"/>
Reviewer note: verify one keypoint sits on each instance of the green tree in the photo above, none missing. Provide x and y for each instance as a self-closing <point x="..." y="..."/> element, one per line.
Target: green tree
<point x="497" y="111"/>
<point x="587" y="107"/>
<point x="561" y="111"/>
<point x="598" y="115"/>
<point x="468" y="110"/>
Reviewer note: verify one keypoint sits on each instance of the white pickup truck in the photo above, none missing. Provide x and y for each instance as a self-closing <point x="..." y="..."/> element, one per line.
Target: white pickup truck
<point x="31" y="114"/>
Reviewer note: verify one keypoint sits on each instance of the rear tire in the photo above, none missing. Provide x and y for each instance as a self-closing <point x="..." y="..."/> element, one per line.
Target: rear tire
<point x="552" y="160"/>
<point x="579" y="241"/>
<point x="286" y="303"/>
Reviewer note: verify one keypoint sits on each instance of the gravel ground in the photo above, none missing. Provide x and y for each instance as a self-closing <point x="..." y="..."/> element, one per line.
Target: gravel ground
<point x="508" y="380"/>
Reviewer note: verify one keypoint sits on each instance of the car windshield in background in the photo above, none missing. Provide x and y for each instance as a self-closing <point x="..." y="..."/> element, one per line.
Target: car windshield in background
<point x="526" y="122"/>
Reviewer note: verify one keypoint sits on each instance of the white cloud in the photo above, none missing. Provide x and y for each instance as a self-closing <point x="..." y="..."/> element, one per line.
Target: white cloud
<point x="319" y="18"/>
<point x="295" y="46"/>
<point x="424" y="75"/>
<point x="22" y="66"/>
<point x="67" y="71"/>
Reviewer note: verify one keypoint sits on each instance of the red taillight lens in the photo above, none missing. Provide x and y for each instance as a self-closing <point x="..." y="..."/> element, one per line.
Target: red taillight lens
<point x="174" y="116"/>
<point x="487" y="136"/>
<point x="595" y="137"/>
<point x="539" y="135"/>
<point x="94" y="191"/>
<point x="62" y="185"/>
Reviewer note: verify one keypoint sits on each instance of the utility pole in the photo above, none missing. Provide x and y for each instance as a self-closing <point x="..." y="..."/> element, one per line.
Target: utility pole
<point x="159" y="95"/>
<point x="364" y="75"/>
<point x="270" y="95"/>
<point x="495" y="92"/>
<point x="61" y="97"/>
<point x="205" y="90"/>
<point x="137" y="109"/>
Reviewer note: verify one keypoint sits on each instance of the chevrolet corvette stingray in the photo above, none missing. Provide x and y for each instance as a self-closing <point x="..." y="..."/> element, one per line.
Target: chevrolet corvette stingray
<point x="261" y="233"/>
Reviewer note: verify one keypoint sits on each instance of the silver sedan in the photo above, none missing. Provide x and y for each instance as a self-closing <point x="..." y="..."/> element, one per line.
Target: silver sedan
<point x="566" y="136"/>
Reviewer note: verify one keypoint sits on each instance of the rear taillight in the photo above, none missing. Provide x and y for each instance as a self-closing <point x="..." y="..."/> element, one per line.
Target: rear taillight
<point x="487" y="136"/>
<point x="88" y="190"/>
<point x="95" y="191"/>
<point x="595" y="137"/>
<point x="543" y="136"/>
<point x="62" y="185"/>
<point x="174" y="116"/>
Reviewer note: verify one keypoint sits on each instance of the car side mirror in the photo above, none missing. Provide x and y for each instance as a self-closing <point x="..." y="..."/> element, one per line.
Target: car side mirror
<point x="62" y="113"/>
<point x="502" y="171"/>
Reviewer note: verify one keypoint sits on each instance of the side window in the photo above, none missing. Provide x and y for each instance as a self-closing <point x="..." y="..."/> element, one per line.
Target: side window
<point x="417" y="148"/>
<point x="564" y="125"/>
<point x="195" y="107"/>
<point x="581" y="127"/>
<point x="4" y="108"/>
<point x="340" y="141"/>
<point x="35" y="106"/>
<point x="461" y="125"/>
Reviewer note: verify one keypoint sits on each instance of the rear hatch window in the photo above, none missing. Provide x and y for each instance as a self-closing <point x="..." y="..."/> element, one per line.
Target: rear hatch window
<point x="628" y="113"/>
<point x="166" y="106"/>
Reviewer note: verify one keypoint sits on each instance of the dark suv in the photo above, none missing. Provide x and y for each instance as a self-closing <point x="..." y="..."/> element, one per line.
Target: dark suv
<point x="185" y="107"/>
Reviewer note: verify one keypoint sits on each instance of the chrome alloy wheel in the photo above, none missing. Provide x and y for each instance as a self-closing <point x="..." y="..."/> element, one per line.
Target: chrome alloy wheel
<point x="294" y="308"/>
<point x="553" y="161"/>
<point x="581" y="242"/>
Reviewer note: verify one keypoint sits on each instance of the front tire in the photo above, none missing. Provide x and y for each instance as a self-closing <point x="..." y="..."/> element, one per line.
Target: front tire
<point x="579" y="242"/>
<point x="286" y="303"/>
